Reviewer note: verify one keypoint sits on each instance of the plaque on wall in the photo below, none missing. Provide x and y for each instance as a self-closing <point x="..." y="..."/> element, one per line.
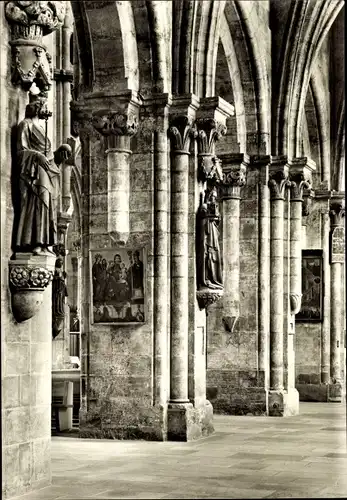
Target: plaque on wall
<point x="118" y="286"/>
<point x="312" y="286"/>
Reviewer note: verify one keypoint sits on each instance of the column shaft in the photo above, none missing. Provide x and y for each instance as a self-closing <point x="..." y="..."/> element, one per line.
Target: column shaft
<point x="325" y="349"/>
<point x="179" y="278"/>
<point x="160" y="305"/>
<point x="335" y="322"/>
<point x="295" y="251"/>
<point x="231" y="248"/>
<point x="118" y="192"/>
<point x="264" y="288"/>
<point x="276" y="295"/>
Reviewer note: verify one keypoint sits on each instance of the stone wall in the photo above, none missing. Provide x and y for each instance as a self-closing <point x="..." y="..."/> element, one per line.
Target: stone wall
<point x="117" y="360"/>
<point x="234" y="383"/>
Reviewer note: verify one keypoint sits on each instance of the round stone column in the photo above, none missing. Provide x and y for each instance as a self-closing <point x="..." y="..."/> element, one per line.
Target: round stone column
<point x="161" y="248"/>
<point x="277" y="184"/>
<point x="234" y="177"/>
<point x="180" y="133"/>
<point x="297" y="185"/>
<point x="325" y="356"/>
<point x="337" y="249"/>
<point x="118" y="128"/>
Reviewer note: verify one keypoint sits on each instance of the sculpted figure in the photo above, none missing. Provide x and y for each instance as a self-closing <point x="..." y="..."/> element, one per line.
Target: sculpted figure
<point x="209" y="268"/>
<point x="59" y="292"/>
<point x="38" y="181"/>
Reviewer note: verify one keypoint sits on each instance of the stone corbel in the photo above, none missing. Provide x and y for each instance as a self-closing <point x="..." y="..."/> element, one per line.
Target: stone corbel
<point x="29" y="276"/>
<point x="30" y="22"/>
<point x="118" y="127"/>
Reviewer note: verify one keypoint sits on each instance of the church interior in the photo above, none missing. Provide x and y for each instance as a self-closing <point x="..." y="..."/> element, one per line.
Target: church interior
<point x="172" y="249"/>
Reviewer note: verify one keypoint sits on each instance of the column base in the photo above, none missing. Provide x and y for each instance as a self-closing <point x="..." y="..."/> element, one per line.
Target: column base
<point x="283" y="403"/>
<point x="313" y="392"/>
<point x="188" y="423"/>
<point x="150" y="425"/>
<point x="335" y="393"/>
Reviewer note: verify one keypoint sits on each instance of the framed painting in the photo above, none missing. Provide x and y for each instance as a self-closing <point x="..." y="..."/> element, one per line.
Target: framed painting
<point x="312" y="286"/>
<point x="118" y="286"/>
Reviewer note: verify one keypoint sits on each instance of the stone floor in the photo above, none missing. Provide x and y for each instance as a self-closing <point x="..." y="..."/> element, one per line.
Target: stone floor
<point x="247" y="457"/>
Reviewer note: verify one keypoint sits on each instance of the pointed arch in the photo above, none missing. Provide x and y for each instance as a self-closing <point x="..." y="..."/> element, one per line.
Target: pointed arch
<point x="309" y="22"/>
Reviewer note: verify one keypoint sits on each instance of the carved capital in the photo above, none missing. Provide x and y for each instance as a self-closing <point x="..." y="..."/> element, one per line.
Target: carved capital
<point x="337" y="214"/>
<point x="207" y="296"/>
<point x="298" y="183"/>
<point x="234" y="178"/>
<point x="30" y="21"/>
<point x="278" y="183"/>
<point x="182" y="129"/>
<point x="33" y="19"/>
<point x="115" y="123"/>
<point x="209" y="131"/>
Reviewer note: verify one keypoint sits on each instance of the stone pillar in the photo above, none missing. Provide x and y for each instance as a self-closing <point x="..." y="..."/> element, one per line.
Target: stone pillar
<point x="300" y="179"/>
<point x="325" y="346"/>
<point x="234" y="177"/>
<point x="159" y="105"/>
<point x="264" y="268"/>
<point x="118" y="128"/>
<point x="337" y="255"/>
<point x="181" y="132"/>
<point x="277" y="184"/>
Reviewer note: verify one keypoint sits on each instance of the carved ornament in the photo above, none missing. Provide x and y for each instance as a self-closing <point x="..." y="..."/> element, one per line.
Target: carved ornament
<point x="210" y="170"/>
<point x="298" y="183"/>
<point x="115" y="123"/>
<point x="27" y="284"/>
<point x="181" y="131"/>
<point x="277" y="184"/>
<point x="209" y="131"/>
<point x="295" y="302"/>
<point x="35" y="17"/>
<point x="29" y="277"/>
<point x="337" y="214"/>
<point x="207" y="297"/>
<point x="30" y="21"/>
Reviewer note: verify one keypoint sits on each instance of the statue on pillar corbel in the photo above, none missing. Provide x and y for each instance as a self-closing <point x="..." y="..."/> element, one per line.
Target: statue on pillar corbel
<point x="38" y="174"/>
<point x="209" y="267"/>
<point x="208" y="255"/>
<point x="36" y="190"/>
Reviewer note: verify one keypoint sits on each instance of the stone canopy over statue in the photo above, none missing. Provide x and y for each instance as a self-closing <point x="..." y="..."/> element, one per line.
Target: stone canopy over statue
<point x="38" y="174"/>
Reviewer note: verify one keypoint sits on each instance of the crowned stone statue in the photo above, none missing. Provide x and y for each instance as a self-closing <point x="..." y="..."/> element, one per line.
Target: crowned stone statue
<point x="38" y="180"/>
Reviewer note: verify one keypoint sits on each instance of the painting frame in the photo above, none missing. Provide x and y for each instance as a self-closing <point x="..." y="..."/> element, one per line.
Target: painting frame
<point x="123" y="302"/>
<point x="311" y="310"/>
